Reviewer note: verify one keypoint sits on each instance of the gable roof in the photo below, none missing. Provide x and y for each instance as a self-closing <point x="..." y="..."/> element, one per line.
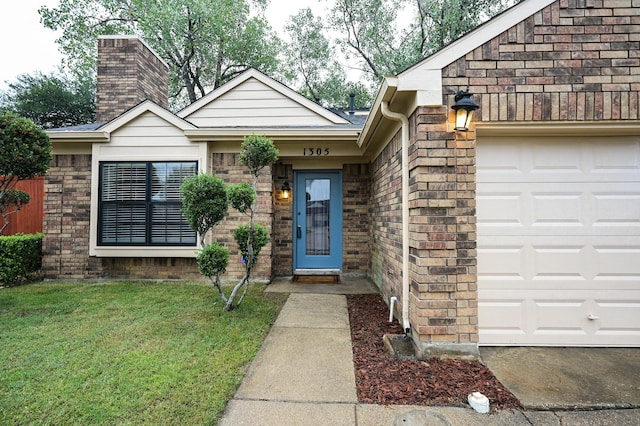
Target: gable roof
<point x="421" y="84"/>
<point x="142" y="108"/>
<point x="253" y="99"/>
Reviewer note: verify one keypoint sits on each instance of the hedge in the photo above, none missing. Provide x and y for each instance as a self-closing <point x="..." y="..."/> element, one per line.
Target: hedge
<point x="20" y="256"/>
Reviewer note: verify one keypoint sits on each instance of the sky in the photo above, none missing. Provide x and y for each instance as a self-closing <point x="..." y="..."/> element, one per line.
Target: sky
<point x="29" y="47"/>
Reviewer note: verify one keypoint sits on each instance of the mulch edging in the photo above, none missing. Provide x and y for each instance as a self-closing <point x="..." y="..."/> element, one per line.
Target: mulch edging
<point x="381" y="379"/>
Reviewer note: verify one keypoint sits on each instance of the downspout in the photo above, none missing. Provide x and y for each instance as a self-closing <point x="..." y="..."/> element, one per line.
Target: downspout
<point x="395" y="116"/>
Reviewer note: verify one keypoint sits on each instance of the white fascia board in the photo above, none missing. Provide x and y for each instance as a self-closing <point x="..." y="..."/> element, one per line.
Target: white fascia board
<point x="81" y="136"/>
<point x="292" y="133"/>
<point x="386" y="91"/>
<point x="427" y="83"/>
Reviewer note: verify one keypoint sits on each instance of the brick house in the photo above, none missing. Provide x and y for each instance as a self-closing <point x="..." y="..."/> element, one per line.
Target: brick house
<point x="523" y="230"/>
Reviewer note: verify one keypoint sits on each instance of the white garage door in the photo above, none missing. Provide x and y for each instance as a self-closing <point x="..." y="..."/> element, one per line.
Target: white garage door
<point x="559" y="241"/>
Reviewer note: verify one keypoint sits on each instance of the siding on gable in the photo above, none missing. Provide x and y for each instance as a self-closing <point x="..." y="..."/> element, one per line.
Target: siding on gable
<point x="255" y="104"/>
<point x="148" y="130"/>
<point x="566" y="62"/>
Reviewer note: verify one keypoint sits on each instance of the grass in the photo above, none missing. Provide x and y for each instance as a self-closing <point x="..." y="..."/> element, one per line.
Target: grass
<point x="124" y="352"/>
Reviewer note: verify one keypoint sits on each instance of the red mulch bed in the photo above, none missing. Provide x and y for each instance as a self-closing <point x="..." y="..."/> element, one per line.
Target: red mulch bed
<point x="381" y="379"/>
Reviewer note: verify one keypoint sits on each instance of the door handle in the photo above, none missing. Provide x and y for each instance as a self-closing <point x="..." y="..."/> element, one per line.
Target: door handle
<point x="299" y="232"/>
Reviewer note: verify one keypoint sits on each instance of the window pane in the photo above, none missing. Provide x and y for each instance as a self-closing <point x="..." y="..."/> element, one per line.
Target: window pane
<point x="140" y="203"/>
<point x="167" y="178"/>
<point x="317" y="209"/>
<point x="168" y="225"/>
<point x="123" y="224"/>
<point x="124" y="181"/>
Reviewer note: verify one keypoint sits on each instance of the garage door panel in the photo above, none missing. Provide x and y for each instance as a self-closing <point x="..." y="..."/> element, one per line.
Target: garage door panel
<point x="559" y="241"/>
<point x="570" y="209"/>
<point x="617" y="262"/>
<point x="517" y="159"/>
<point x="572" y="315"/>
<point x="617" y="209"/>
<point x="567" y="258"/>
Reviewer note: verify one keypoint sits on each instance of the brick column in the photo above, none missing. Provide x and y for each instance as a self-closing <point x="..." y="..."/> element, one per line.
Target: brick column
<point x="443" y="299"/>
<point x="67" y="205"/>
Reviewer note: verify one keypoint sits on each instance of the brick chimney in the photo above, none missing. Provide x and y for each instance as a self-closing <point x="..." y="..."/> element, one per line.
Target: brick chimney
<point x="129" y="72"/>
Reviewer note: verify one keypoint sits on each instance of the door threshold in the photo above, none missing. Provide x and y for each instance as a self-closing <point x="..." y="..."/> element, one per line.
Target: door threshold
<point x="316" y="276"/>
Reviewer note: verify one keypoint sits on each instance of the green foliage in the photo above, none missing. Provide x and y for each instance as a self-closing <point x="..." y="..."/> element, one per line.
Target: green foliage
<point x="213" y="260"/>
<point x="257" y="152"/>
<point x="311" y="64"/>
<point x="204" y="202"/>
<point x="14" y="198"/>
<point x="25" y="152"/>
<point x="25" y="149"/>
<point x="21" y="256"/>
<point x="205" y="42"/>
<point x="242" y="197"/>
<point x="369" y="32"/>
<point x="259" y="240"/>
<point x="124" y="352"/>
<point x="51" y="100"/>
<point x="443" y="21"/>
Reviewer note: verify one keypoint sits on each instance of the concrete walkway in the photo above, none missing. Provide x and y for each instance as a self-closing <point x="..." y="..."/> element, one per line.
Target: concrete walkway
<point x="304" y="375"/>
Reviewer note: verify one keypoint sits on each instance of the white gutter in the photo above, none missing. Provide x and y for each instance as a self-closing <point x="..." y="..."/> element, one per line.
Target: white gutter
<point x="405" y="209"/>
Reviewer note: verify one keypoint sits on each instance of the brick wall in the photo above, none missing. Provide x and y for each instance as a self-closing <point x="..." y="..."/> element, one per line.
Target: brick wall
<point x="443" y="301"/>
<point x="227" y="167"/>
<point x="574" y="60"/>
<point x="282" y="259"/>
<point x="386" y="220"/>
<point x="355" y="219"/>
<point x="66" y="227"/>
<point x="67" y="205"/>
<point x="128" y="73"/>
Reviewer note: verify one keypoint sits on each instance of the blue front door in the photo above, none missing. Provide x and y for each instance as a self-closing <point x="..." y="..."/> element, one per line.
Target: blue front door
<point x="318" y="220"/>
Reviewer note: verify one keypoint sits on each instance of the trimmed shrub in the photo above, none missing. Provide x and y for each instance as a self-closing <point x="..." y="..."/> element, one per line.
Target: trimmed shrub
<point x="20" y="256"/>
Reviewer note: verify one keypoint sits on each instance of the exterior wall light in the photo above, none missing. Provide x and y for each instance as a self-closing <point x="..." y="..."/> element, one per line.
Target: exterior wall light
<point x="286" y="190"/>
<point x="464" y="108"/>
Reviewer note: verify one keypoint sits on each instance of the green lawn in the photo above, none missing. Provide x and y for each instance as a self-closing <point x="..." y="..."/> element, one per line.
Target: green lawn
<point x="124" y="352"/>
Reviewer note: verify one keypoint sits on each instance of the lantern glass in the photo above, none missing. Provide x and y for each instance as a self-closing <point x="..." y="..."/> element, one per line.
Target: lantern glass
<point x="463" y="119"/>
<point x="286" y="190"/>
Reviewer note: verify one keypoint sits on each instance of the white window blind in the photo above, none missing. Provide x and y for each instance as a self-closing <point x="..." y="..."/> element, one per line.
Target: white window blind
<point x="140" y="203"/>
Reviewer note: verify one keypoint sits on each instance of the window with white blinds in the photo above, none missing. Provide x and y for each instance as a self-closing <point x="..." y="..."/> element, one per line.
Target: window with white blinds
<point x="140" y="203"/>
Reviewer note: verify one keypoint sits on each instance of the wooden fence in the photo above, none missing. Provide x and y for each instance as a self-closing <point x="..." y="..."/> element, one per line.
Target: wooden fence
<point x="30" y="218"/>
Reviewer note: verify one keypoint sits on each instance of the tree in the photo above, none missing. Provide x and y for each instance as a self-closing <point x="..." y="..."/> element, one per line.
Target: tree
<point x="25" y="152"/>
<point x="50" y="100"/>
<point x="442" y="21"/>
<point x="369" y="31"/>
<point x="205" y="42"/>
<point x="312" y="67"/>
<point x="205" y="199"/>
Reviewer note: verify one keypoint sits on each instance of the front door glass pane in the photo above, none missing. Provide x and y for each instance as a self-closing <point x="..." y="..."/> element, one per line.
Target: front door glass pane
<point x="317" y="212"/>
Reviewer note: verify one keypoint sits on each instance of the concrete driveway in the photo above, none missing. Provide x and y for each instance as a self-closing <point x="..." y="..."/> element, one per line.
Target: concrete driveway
<point x="568" y="378"/>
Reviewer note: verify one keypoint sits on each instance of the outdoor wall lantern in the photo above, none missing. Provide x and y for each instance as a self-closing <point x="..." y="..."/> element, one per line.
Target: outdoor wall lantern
<point x="464" y="108"/>
<point x="286" y="190"/>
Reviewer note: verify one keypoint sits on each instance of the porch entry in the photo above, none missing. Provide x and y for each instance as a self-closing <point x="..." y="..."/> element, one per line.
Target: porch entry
<point x="317" y="220"/>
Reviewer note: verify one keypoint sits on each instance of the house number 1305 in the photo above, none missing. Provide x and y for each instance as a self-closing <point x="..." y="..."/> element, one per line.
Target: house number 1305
<point x="316" y="152"/>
